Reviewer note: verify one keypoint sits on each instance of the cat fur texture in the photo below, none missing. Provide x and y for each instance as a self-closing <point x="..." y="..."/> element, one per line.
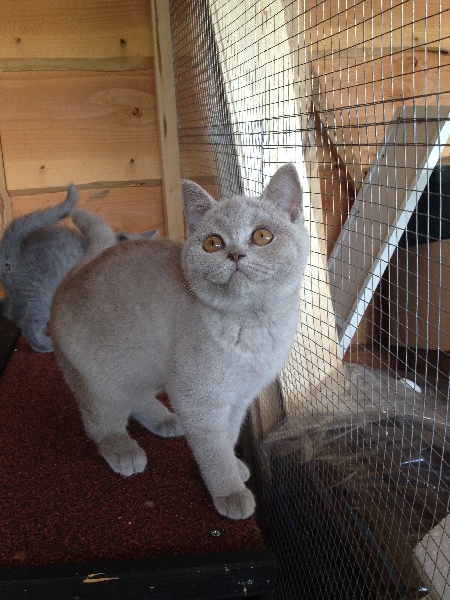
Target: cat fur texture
<point x="35" y="254"/>
<point x="209" y="321"/>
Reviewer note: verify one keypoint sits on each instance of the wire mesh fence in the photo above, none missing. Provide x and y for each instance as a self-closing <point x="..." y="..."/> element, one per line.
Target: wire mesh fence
<point x="351" y="444"/>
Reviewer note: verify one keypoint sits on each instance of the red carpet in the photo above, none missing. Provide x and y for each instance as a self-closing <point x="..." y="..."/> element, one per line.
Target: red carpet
<point x="61" y="503"/>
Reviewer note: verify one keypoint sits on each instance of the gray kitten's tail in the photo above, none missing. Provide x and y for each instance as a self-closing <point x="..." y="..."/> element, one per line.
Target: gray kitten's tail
<point x="18" y="229"/>
<point x="21" y="227"/>
<point x="98" y="234"/>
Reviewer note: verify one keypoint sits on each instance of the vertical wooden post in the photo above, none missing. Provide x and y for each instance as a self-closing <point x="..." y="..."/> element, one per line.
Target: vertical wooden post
<point x="167" y="118"/>
<point x="5" y="199"/>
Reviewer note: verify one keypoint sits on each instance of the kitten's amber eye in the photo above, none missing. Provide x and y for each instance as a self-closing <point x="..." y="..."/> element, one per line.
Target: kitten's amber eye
<point x="213" y="243"/>
<point x="262" y="236"/>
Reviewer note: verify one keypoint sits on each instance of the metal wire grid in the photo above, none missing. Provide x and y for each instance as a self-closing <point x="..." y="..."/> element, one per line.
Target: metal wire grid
<point x="353" y="463"/>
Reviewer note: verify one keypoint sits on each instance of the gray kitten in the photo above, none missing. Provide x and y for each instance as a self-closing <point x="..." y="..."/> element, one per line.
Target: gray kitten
<point x="210" y="321"/>
<point x="35" y="255"/>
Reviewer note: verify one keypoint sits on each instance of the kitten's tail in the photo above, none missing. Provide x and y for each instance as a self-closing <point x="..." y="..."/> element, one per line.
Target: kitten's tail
<point x="98" y="234"/>
<point x="22" y="226"/>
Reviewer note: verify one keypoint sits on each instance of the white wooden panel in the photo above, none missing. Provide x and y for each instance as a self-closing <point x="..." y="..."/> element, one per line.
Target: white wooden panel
<point x="382" y="209"/>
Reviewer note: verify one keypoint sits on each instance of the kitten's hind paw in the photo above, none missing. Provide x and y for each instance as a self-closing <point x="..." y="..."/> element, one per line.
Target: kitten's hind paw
<point x="39" y="343"/>
<point x="159" y="420"/>
<point x="123" y="454"/>
<point x="45" y="347"/>
<point x="244" y="471"/>
<point x="169" y="427"/>
<point x="239" y="505"/>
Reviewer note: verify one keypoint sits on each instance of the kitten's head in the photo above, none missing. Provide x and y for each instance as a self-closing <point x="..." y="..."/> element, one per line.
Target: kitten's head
<point x="246" y="251"/>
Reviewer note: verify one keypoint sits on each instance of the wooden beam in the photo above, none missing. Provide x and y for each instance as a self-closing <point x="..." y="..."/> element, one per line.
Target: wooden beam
<point x="133" y="209"/>
<point x="5" y="198"/>
<point x="43" y="32"/>
<point x="167" y="118"/>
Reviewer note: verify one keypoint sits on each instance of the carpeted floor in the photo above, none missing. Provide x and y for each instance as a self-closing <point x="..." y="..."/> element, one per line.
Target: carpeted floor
<point x="61" y="503"/>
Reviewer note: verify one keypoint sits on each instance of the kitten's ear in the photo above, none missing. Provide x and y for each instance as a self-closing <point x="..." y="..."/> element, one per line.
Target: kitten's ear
<point x="196" y="202"/>
<point x="285" y="190"/>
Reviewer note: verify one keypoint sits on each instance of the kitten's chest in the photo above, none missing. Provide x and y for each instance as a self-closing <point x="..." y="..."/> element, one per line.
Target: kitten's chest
<point x="255" y="340"/>
<point x="246" y="337"/>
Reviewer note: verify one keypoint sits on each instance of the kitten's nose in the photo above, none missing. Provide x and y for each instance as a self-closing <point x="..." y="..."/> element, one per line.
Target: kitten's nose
<point x="235" y="256"/>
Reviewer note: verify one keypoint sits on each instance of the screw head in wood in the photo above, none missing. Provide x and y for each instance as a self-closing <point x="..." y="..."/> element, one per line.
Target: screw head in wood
<point x="215" y="532"/>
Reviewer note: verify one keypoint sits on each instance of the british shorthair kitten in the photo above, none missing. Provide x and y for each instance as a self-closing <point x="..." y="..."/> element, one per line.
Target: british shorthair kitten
<point x="36" y="253"/>
<point x="209" y="321"/>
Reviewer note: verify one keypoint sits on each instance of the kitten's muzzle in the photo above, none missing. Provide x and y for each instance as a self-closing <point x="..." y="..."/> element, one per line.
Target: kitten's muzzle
<point x="235" y="256"/>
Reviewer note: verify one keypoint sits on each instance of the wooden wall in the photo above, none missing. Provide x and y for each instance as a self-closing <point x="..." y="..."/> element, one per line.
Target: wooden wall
<point x="78" y="104"/>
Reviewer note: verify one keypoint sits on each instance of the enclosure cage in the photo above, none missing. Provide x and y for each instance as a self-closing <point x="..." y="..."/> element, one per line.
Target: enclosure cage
<point x="350" y="445"/>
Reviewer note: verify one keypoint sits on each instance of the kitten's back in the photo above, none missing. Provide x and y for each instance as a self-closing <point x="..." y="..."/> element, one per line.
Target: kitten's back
<point x="20" y="228"/>
<point x="98" y="234"/>
<point x="134" y="286"/>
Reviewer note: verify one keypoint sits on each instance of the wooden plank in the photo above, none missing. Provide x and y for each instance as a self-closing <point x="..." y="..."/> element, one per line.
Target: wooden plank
<point x="382" y="210"/>
<point x="315" y="356"/>
<point x="269" y="109"/>
<point x="432" y="560"/>
<point x="91" y="101"/>
<point x="336" y="185"/>
<point x="52" y="158"/>
<point x="85" y="29"/>
<point x="5" y="199"/>
<point x="106" y="65"/>
<point x="266" y="413"/>
<point x="131" y="209"/>
<point x="167" y="118"/>
<point x="82" y="127"/>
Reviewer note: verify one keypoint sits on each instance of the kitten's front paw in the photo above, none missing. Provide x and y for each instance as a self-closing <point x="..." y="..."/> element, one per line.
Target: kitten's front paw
<point x="244" y="471"/>
<point x="239" y="505"/>
<point x="123" y="454"/>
